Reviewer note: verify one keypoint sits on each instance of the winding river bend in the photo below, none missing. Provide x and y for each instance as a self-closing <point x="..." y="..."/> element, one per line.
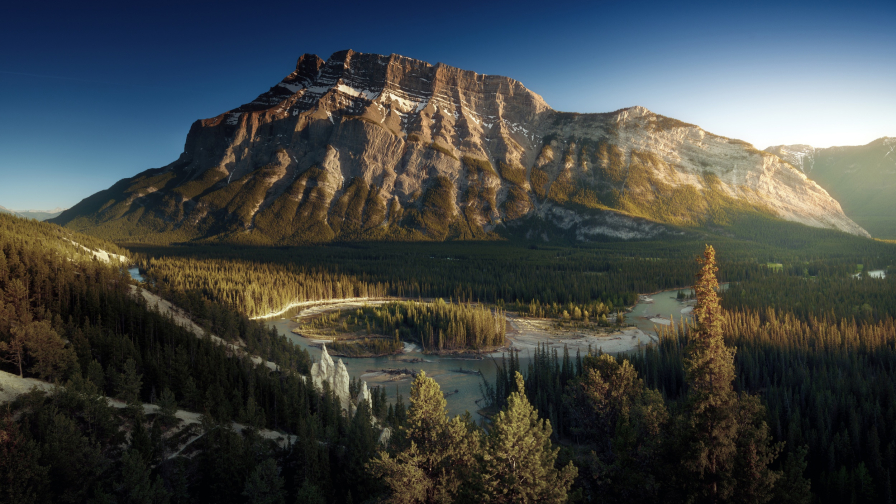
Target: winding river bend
<point x="460" y="379"/>
<point x="462" y="388"/>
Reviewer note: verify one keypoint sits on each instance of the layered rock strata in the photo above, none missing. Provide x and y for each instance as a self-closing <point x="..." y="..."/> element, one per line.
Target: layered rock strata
<point x="370" y="146"/>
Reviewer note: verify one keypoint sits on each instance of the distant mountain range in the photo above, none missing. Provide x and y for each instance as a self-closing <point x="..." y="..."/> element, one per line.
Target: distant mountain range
<point x="40" y="215"/>
<point x="372" y="147"/>
<point x="861" y="178"/>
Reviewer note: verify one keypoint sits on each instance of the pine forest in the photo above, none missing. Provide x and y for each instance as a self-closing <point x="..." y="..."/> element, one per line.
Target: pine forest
<point x="780" y="388"/>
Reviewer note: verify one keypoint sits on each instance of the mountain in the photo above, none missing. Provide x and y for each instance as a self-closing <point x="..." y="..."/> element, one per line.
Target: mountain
<point x="5" y="210"/>
<point x="40" y="215"/>
<point x="364" y="146"/>
<point x="862" y="178"/>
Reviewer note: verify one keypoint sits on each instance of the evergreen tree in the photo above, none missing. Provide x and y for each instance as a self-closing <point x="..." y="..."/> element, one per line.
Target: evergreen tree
<point x="52" y="360"/>
<point x="264" y="485"/>
<point x="361" y="446"/>
<point x="96" y="375"/>
<point x="725" y="444"/>
<point x="21" y="475"/>
<point x="435" y="459"/>
<point x="793" y="488"/>
<point x="519" y="460"/>
<point x="167" y="408"/>
<point x="309" y="493"/>
<point x="136" y="485"/>
<point x="14" y="348"/>
<point x="129" y="384"/>
<point x="623" y="423"/>
<point x="711" y="426"/>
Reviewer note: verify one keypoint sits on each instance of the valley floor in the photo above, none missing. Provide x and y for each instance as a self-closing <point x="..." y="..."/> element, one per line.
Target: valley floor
<point x="523" y="334"/>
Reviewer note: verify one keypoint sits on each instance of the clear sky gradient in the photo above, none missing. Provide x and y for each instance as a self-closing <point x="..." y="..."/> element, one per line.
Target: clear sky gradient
<point x="93" y="93"/>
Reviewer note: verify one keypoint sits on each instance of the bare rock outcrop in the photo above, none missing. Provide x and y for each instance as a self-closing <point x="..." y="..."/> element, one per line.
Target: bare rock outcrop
<point x="334" y="374"/>
<point x="364" y="395"/>
<point x="861" y="178"/>
<point x="341" y="385"/>
<point x="363" y="145"/>
<point x="385" y="436"/>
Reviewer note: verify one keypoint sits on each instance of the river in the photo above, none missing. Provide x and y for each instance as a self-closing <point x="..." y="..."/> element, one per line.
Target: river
<point x="135" y="274"/>
<point x="463" y="390"/>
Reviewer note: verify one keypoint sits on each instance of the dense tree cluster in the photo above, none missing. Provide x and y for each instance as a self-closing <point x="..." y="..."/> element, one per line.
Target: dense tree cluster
<point x="365" y="347"/>
<point x="632" y="444"/>
<point x="259" y="280"/>
<point x="72" y="445"/>
<point x="434" y="459"/>
<point x="822" y="385"/>
<point x="593" y="311"/>
<point x="256" y="288"/>
<point x="73" y="320"/>
<point x="802" y="410"/>
<point x="828" y="385"/>
<point x="438" y="326"/>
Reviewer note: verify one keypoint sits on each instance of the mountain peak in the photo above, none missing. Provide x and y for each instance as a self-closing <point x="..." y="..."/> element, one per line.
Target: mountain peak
<point x="637" y="111"/>
<point x="372" y="146"/>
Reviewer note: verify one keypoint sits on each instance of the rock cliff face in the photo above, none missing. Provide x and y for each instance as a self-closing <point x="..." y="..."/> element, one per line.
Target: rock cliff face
<point x="334" y="374"/>
<point x="365" y="146"/>
<point x="364" y="395"/>
<point x="862" y="178"/>
<point x="799" y="155"/>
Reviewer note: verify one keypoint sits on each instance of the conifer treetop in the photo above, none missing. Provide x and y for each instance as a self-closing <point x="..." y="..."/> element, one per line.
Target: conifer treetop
<point x="710" y="364"/>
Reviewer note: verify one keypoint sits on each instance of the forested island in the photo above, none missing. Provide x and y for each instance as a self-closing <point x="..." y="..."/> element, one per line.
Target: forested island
<point x="438" y="327"/>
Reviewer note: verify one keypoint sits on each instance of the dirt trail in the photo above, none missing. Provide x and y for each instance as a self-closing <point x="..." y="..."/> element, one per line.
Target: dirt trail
<point x="101" y="254"/>
<point x="12" y="386"/>
<point x="188" y="418"/>
<point x="181" y="318"/>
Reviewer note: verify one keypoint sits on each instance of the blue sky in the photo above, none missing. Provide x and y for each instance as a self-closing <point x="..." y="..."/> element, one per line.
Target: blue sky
<point x="94" y="93"/>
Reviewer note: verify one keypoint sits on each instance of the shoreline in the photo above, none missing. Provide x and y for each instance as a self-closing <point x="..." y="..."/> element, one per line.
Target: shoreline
<point x="320" y="302"/>
<point x="459" y="354"/>
<point x="523" y="334"/>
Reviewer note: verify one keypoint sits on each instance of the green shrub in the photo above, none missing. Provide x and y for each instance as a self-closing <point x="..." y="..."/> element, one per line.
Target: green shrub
<point x="514" y="174"/>
<point x="517" y="200"/>
<point x="539" y="180"/>
<point x="444" y="150"/>
<point x="480" y="165"/>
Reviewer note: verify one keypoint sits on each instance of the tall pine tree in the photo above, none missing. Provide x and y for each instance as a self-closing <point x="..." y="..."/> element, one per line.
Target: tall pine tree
<point x="725" y="443"/>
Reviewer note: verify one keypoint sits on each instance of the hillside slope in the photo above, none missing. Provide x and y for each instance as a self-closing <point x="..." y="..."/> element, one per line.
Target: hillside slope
<point x="186" y="406"/>
<point x="364" y="146"/>
<point x="862" y="178"/>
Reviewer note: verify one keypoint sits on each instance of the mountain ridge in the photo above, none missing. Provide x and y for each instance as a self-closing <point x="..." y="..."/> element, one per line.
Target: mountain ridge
<point x="862" y="178"/>
<point x="365" y="146"/>
<point x="40" y="215"/>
